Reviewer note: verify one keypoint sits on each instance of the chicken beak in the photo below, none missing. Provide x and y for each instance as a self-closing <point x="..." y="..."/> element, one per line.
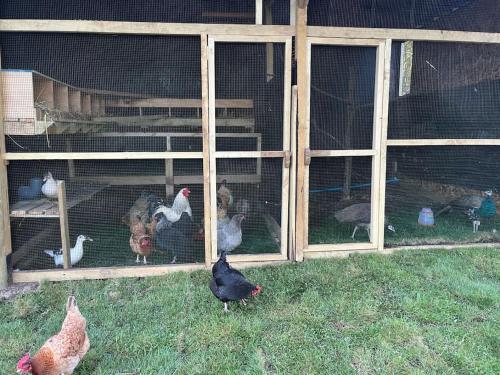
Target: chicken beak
<point x="89" y="239"/>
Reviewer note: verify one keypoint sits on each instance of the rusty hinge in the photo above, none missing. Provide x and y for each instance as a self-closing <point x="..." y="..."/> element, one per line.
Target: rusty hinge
<point x="307" y="156"/>
<point x="288" y="159"/>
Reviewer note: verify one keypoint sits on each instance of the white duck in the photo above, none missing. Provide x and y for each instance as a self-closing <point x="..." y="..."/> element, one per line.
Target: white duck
<point x="76" y="253"/>
<point x="49" y="188"/>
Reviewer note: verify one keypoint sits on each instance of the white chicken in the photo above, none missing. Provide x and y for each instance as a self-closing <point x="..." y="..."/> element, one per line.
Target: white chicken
<point x="180" y="205"/>
<point x="49" y="188"/>
<point x="76" y="253"/>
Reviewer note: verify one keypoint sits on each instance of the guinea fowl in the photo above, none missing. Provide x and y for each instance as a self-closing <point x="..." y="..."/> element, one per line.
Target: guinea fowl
<point x="360" y="215"/>
<point x="229" y="235"/>
<point x="464" y="203"/>
<point x="174" y="238"/>
<point x="228" y="284"/>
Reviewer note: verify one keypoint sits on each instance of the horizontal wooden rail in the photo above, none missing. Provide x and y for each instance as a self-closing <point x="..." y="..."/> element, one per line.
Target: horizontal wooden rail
<point x="100" y="155"/>
<point x="142" y="28"/>
<point x="339" y="153"/>
<point x="443" y="142"/>
<point x="340" y="247"/>
<point x="249" y="154"/>
<point x="403" y="34"/>
<point x="177" y="103"/>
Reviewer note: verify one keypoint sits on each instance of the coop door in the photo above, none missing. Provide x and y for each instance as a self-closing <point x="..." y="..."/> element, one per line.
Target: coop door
<point x="342" y="172"/>
<point x="249" y="110"/>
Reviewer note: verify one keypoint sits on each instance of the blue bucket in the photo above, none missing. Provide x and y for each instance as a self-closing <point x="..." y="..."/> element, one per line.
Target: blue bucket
<point x="426" y="217"/>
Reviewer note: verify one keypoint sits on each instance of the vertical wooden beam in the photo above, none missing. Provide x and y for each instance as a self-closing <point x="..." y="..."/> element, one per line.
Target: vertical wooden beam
<point x="169" y="170"/>
<point x="269" y="46"/>
<point x="383" y="142"/>
<point x="293" y="177"/>
<point x="293" y="7"/>
<point x="351" y="86"/>
<point x="71" y="162"/>
<point x="63" y="220"/>
<point x="5" y="239"/>
<point x="302" y="96"/>
<point x="212" y="138"/>
<point x="258" y="12"/>
<point x="206" y="150"/>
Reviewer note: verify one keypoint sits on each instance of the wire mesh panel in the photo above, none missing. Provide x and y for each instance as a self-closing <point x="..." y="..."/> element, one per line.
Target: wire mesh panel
<point x="464" y="15"/>
<point x="118" y="213"/>
<point x="175" y="11"/>
<point x="340" y="200"/>
<point x="249" y="93"/>
<point x="342" y="91"/>
<point x="91" y="93"/>
<point x="443" y="194"/>
<point x="250" y="201"/>
<point x="445" y="90"/>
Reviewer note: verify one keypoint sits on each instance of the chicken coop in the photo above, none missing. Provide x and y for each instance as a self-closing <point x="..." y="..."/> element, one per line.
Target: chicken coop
<point x="147" y="137"/>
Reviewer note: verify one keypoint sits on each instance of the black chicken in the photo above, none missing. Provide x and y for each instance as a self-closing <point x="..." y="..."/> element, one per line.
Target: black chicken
<point x="228" y="284"/>
<point x="174" y="238"/>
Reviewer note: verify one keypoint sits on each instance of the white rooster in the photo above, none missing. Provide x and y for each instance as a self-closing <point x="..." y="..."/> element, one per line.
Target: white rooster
<point x="180" y="205"/>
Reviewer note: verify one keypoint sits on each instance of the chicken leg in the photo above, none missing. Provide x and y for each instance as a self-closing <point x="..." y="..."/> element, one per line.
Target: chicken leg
<point x="226" y="310"/>
<point x="137" y="260"/>
<point x="144" y="260"/>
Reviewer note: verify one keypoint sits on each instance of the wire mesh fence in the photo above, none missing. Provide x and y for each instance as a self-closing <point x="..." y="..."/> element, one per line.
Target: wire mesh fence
<point x="124" y="209"/>
<point x="249" y="205"/>
<point x="443" y="194"/>
<point x="444" y="90"/>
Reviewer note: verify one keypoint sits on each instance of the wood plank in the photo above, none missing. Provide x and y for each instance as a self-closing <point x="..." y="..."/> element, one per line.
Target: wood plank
<point x="228" y="38"/>
<point x="341" y="247"/>
<point x="61" y="97"/>
<point x="358" y="42"/>
<point x="75" y="101"/>
<point x="102" y="272"/>
<point x="169" y="170"/>
<point x="234" y="15"/>
<point x="140" y="28"/>
<point x="5" y="235"/>
<point x="149" y="121"/>
<point x="212" y="148"/>
<point x="237" y="258"/>
<point x="17" y="97"/>
<point x="341" y="153"/>
<point x="23" y="207"/>
<point x="302" y="95"/>
<point x="177" y="103"/>
<point x="384" y="121"/>
<point x="161" y="180"/>
<point x="443" y="142"/>
<point x="42" y="209"/>
<point x="101" y="155"/>
<point x="249" y="154"/>
<point x="206" y="150"/>
<point x="23" y="250"/>
<point x="293" y="176"/>
<point x="293" y="11"/>
<point x="174" y="135"/>
<point x="63" y="219"/>
<point x="258" y="12"/>
<point x="403" y="34"/>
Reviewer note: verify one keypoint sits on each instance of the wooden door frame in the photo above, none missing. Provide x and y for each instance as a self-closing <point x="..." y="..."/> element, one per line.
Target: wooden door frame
<point x="377" y="152"/>
<point x="284" y="154"/>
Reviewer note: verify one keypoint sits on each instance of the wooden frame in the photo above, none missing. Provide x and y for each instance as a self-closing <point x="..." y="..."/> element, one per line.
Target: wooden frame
<point x="374" y="152"/>
<point x="214" y="154"/>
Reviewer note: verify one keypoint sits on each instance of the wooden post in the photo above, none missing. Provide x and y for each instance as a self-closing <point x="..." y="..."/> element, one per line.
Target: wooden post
<point x="63" y="220"/>
<point x="258" y="12"/>
<point x="269" y="46"/>
<point x="169" y="171"/>
<point x="206" y="150"/>
<point x="346" y="191"/>
<point x="5" y="239"/>
<point x="71" y="163"/>
<point x="212" y="140"/>
<point x="302" y="94"/>
<point x="293" y="175"/>
<point x="383" y="143"/>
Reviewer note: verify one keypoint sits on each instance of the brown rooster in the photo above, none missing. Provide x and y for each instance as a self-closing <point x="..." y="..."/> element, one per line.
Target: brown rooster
<point x="61" y="353"/>
<point x="140" y="241"/>
<point x="225" y="196"/>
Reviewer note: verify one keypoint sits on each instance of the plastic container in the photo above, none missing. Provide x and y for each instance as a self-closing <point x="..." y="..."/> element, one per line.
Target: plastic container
<point x="426" y="217"/>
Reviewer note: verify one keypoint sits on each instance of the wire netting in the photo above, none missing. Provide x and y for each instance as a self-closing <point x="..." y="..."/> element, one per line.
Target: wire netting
<point x="175" y="11"/>
<point x="251" y="74"/>
<point x="107" y="201"/>
<point x="251" y="187"/>
<point x="89" y="93"/>
<point x="462" y="15"/>
<point x="342" y="97"/>
<point x="444" y="90"/>
<point x="446" y="189"/>
<point x="339" y="199"/>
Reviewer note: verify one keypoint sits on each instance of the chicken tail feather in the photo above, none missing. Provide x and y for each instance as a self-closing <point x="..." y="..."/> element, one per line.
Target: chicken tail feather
<point x="71" y="304"/>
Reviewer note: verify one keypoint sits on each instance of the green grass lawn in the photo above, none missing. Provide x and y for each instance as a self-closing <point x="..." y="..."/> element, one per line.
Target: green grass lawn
<point x="452" y="228"/>
<point x="427" y="312"/>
